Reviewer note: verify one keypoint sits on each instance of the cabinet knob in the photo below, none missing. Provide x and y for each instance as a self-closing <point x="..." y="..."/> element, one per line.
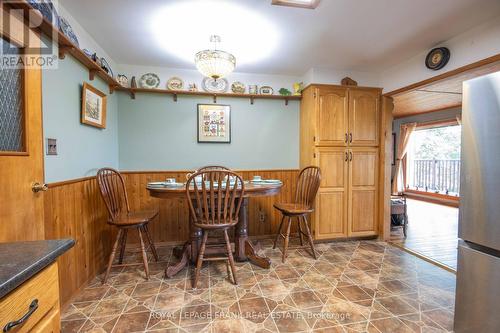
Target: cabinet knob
<point x="350" y="137"/>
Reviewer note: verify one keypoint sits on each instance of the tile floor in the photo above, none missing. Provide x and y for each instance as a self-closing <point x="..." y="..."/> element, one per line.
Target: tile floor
<point x="365" y="286"/>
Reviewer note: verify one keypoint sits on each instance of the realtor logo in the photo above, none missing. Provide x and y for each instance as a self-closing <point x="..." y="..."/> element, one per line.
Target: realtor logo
<point x="21" y="45"/>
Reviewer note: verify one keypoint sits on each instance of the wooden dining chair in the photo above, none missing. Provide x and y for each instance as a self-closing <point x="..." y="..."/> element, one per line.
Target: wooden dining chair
<point x="214" y="205"/>
<point x="305" y="193"/>
<point x="112" y="187"/>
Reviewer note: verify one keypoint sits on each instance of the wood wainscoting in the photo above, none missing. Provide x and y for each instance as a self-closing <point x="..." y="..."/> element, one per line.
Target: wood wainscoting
<point x="74" y="209"/>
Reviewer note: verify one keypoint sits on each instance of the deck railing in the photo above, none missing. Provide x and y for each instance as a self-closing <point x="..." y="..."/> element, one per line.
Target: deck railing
<point x="441" y="176"/>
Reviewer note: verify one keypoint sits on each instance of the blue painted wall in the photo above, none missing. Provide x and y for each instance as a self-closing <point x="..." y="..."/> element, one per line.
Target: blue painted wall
<point x="82" y="149"/>
<point x="156" y="133"/>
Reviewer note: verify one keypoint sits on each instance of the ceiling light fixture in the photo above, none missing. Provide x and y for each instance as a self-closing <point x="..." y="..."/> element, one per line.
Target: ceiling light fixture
<point x="310" y="4"/>
<point x="249" y="35"/>
<point x="215" y="63"/>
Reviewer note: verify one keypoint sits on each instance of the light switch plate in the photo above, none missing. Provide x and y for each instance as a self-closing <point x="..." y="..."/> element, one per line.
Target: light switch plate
<point x="51" y="146"/>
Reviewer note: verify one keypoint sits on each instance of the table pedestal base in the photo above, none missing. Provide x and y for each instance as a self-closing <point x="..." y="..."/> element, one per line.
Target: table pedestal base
<point x="185" y="255"/>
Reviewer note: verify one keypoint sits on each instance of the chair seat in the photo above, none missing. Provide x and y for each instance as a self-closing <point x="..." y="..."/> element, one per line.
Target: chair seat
<point x="134" y="218"/>
<point x="293" y="209"/>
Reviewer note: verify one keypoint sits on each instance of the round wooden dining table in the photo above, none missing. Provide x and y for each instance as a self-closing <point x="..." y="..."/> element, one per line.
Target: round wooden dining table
<point x="244" y="248"/>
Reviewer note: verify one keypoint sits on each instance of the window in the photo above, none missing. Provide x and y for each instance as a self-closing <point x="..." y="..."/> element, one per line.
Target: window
<point x="12" y="122"/>
<point x="433" y="159"/>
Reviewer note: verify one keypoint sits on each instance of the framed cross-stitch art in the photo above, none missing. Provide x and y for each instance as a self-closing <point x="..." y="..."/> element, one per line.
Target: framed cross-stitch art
<point x="214" y="123"/>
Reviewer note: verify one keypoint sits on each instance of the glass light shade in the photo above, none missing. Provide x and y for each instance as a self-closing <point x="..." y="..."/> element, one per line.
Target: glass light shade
<point x="215" y="63"/>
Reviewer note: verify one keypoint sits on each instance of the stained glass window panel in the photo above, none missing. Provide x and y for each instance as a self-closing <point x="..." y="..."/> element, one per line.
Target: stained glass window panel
<point x="11" y="107"/>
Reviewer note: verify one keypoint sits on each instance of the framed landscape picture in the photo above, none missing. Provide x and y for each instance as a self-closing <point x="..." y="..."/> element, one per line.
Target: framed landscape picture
<point x="93" y="106"/>
<point x="214" y="123"/>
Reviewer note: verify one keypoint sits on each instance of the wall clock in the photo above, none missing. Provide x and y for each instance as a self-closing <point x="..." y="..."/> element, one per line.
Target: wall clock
<point x="437" y="58"/>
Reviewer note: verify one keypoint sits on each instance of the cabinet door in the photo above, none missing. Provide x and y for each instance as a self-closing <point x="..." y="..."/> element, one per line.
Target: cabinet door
<point x="332" y="119"/>
<point x="363" y="117"/>
<point x="331" y="203"/>
<point x="363" y="180"/>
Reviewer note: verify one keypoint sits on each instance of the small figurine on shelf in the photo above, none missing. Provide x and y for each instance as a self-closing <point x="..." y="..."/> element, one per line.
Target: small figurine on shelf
<point x="192" y="87"/>
<point x="122" y="79"/>
<point x="284" y="92"/>
<point x="133" y="82"/>
<point x="297" y="88"/>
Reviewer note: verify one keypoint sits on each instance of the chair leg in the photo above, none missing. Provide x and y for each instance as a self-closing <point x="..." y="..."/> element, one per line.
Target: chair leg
<point x="300" y="231"/>
<point x="309" y="236"/>
<point x="112" y="256"/>
<point x="123" y="241"/>
<point x="285" y="241"/>
<point x="230" y="256"/>
<point x="200" y="259"/>
<point x="279" y="232"/>
<point x="150" y="241"/>
<point x="144" y="254"/>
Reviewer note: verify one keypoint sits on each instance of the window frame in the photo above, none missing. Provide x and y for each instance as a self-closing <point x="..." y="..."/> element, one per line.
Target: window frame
<point x="425" y="195"/>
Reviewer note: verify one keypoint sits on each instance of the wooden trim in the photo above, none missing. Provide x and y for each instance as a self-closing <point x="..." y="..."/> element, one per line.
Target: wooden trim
<point x="135" y="172"/>
<point x="324" y="85"/>
<point x="188" y="171"/>
<point x="421" y="256"/>
<point x="451" y="73"/>
<point x="437" y="198"/>
<point x="430" y="111"/>
<point x="437" y="123"/>
<point x="69" y="181"/>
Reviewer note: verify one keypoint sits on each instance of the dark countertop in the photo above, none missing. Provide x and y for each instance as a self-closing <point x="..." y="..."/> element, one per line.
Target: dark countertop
<point x="19" y="261"/>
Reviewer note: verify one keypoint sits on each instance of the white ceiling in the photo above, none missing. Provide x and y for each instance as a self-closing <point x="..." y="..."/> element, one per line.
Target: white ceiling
<point x="358" y="35"/>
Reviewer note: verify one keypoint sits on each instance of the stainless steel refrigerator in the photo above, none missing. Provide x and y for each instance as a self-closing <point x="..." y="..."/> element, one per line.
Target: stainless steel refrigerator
<point x="477" y="304"/>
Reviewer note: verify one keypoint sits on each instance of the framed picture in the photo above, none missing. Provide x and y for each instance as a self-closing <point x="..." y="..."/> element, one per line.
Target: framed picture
<point x="93" y="106"/>
<point x="393" y="148"/>
<point x="214" y="123"/>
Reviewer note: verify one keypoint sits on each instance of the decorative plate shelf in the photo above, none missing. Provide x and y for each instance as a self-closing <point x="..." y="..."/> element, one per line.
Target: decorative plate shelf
<point x="175" y="93"/>
<point x="66" y="46"/>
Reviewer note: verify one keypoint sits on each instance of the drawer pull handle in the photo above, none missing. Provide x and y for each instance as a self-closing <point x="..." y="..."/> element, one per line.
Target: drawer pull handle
<point x="32" y="309"/>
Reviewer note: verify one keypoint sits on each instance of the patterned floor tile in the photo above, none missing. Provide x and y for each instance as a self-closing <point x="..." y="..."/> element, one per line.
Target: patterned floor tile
<point x="353" y="286"/>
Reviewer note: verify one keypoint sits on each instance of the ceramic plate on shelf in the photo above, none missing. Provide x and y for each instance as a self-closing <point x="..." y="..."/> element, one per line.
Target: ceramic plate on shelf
<point x="175" y="83"/>
<point x="214" y="86"/>
<point x="149" y="81"/>
<point x="266" y="90"/>
<point x="238" y="87"/>
<point x="47" y="10"/>
<point x="66" y="29"/>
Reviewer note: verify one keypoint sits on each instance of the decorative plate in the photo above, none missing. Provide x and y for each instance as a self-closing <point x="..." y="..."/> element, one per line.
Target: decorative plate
<point x="106" y="67"/>
<point x="149" y="80"/>
<point x="214" y="86"/>
<point x="266" y="90"/>
<point x="47" y="10"/>
<point x="437" y="58"/>
<point x="175" y="83"/>
<point x="238" y="87"/>
<point x="66" y="29"/>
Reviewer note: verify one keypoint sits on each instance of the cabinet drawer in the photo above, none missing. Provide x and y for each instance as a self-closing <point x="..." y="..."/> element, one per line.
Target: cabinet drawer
<point x="43" y="287"/>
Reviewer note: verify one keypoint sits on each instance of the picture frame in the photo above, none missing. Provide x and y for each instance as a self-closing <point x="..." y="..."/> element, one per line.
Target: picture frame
<point x="93" y="111"/>
<point x="214" y="123"/>
<point x="393" y="148"/>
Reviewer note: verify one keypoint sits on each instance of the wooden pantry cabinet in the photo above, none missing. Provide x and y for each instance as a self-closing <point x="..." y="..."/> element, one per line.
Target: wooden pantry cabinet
<point x="340" y="133"/>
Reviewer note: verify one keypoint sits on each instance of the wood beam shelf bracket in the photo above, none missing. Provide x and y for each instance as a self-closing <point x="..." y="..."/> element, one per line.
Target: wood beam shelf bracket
<point x="63" y="50"/>
<point x="92" y="73"/>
